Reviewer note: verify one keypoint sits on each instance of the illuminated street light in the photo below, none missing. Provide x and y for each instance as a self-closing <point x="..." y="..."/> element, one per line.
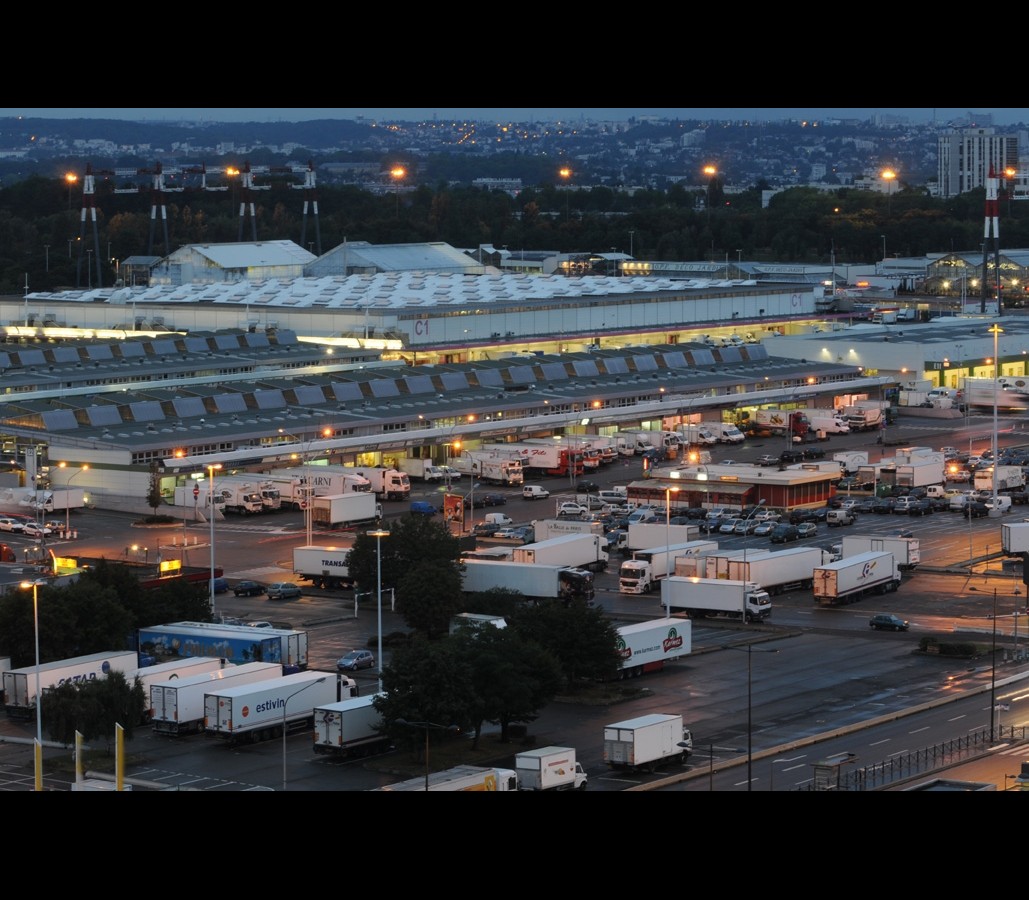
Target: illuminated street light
<point x="38" y="749"/>
<point x="67" y="503"/>
<point x="379" y="534"/>
<point x="889" y="176"/>
<point x="397" y="173"/>
<point x="211" y="469"/>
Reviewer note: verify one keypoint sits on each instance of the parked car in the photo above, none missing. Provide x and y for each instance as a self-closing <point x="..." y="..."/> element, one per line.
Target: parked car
<point x="571" y="511"/>
<point x="587" y="487"/>
<point x="768" y="459"/>
<point x="534" y="492"/>
<point x="976" y="509"/>
<point x="900" y="532"/>
<point x="765" y="528"/>
<point x="923" y="507"/>
<point x="807" y="529"/>
<point x="34" y="529"/>
<point x="888" y="622"/>
<point x="745" y="526"/>
<point x="422" y="508"/>
<point x="783" y="533"/>
<point x="490" y="499"/>
<point x="283" y="590"/>
<point x="248" y="588"/>
<point x="791" y="456"/>
<point x="813" y="453"/>
<point x="356" y="659"/>
<point x="15" y="526"/>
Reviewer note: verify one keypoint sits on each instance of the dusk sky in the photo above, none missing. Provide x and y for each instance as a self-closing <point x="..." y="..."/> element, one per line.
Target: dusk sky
<point x="916" y="115"/>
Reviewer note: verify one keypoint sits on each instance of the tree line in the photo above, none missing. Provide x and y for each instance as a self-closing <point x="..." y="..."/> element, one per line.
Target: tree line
<point x="46" y="243"/>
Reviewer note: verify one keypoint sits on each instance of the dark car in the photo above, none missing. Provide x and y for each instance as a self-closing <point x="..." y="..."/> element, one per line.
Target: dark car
<point x="922" y="507"/>
<point x="493" y="499"/>
<point x="791" y="456"/>
<point x="587" y="487"/>
<point x="813" y="453"/>
<point x="975" y="510"/>
<point x="802" y="515"/>
<point x="883" y="506"/>
<point x="783" y="533"/>
<point x="247" y="588"/>
<point x="887" y="622"/>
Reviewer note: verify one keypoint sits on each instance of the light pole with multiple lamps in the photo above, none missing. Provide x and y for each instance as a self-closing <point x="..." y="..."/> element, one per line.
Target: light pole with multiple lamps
<point x="285" y="705"/>
<point x="379" y="534"/>
<point x="426" y="727"/>
<point x="211" y="469"/>
<point x="67" y="504"/>
<point x="993" y="661"/>
<point x="38" y="749"/>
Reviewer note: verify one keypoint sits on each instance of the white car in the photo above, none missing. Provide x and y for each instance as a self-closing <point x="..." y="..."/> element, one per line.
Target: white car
<point x="34" y="529"/>
<point x="571" y="511"/>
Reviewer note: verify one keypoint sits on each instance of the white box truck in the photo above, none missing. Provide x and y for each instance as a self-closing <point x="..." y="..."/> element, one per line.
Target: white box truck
<point x="579" y="551"/>
<point x="177" y="706"/>
<point x="647" y="742"/>
<point x="20" y="684"/>
<point x="852" y="577"/>
<point x="784" y="570"/>
<point x="325" y="567"/>
<point x="545" y="529"/>
<point x="421" y="470"/>
<point x="700" y="598"/>
<point x="831" y="421"/>
<point x="646" y="646"/>
<point x="349" y="728"/>
<point x="851" y="460"/>
<point x="725" y="432"/>
<point x="168" y="671"/>
<point x="534" y="581"/>
<point x="700" y="433"/>
<point x="643" y="572"/>
<point x="241" y="498"/>
<point x="345" y="510"/>
<point x="1014" y="538"/>
<point x="714" y="564"/>
<point x="258" y="712"/>
<point x="906" y="551"/>
<point x="550" y="769"/>
<point x="460" y="778"/>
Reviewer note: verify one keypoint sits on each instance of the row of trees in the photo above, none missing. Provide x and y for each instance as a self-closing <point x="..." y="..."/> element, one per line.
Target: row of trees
<point x="46" y="244"/>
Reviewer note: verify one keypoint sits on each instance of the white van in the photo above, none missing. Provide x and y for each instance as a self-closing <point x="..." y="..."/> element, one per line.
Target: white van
<point x="1003" y="504"/>
<point x="959" y="501"/>
<point x="643" y="514"/>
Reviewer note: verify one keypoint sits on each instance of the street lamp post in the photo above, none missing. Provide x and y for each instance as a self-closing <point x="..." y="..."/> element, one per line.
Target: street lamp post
<point x="668" y="524"/>
<point x="889" y="176"/>
<point x="996" y="331"/>
<point x="397" y="173"/>
<point x="38" y="749"/>
<point x="426" y="726"/>
<point x="379" y="534"/>
<point x="211" y="469"/>
<point x="67" y="505"/>
<point x="993" y="662"/>
<point x="285" y="705"/>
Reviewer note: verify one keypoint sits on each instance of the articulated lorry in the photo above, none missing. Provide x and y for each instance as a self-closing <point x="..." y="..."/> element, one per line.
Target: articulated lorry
<point x="20" y="684"/>
<point x="577" y="551"/>
<point x="268" y="491"/>
<point x="784" y="570"/>
<point x="296" y="485"/>
<point x="487" y="467"/>
<point x="149" y="675"/>
<point x="177" y="706"/>
<point x="248" y="713"/>
<point x="234" y="643"/>
<point x="539" y="459"/>
<point x="324" y="567"/>
<point x="646" y="646"/>
<point x="778" y="421"/>
<point x="345" y="510"/>
<point x="545" y="529"/>
<point x="701" y="598"/>
<point x="980" y="392"/>
<point x="534" y="581"/>
<point x="460" y="778"/>
<point x="831" y="421"/>
<point x="349" y="728"/>
<point x="647" y="742"/>
<point x="643" y="572"/>
<point x="906" y="551"/>
<point x="550" y="769"/>
<point x="387" y="484"/>
<point x="853" y="577"/>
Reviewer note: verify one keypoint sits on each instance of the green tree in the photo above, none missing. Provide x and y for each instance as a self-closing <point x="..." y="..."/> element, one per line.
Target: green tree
<point x="93" y="709"/>
<point x="429" y="596"/>
<point x="581" y="638"/>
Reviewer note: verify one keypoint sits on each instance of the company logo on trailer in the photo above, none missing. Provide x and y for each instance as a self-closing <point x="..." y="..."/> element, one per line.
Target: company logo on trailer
<point x="673" y="641"/>
<point x="869" y="569"/>
<point x="622" y="649"/>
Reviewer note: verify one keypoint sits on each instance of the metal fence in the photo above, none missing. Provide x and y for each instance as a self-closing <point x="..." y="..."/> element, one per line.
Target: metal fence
<point x="909" y="765"/>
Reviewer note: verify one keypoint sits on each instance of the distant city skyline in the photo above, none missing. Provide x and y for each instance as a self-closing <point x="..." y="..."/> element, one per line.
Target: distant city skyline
<point x="1002" y="116"/>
